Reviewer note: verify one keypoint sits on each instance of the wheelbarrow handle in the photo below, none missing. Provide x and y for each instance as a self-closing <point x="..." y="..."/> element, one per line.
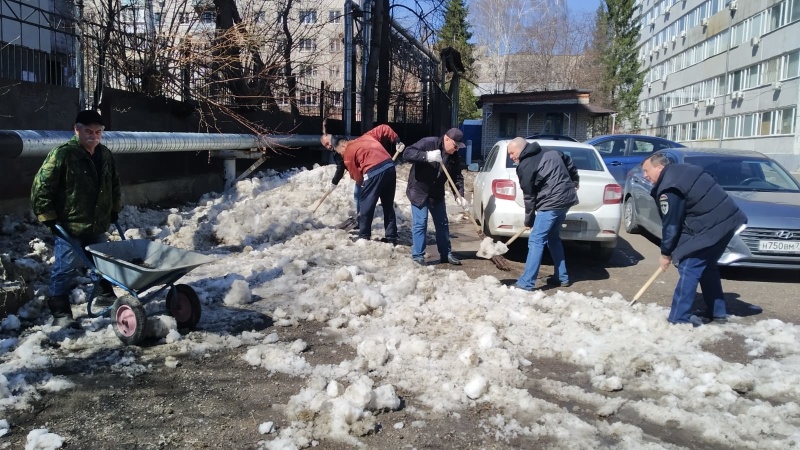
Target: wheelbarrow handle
<point x="120" y="230"/>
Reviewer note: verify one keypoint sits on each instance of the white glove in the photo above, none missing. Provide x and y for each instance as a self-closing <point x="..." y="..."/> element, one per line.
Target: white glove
<point x="463" y="203"/>
<point x="399" y="147"/>
<point x="434" y="156"/>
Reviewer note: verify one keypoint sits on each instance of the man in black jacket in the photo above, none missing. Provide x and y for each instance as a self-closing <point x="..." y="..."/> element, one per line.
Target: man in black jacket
<point x="549" y="180"/>
<point x="698" y="219"/>
<point x="425" y="190"/>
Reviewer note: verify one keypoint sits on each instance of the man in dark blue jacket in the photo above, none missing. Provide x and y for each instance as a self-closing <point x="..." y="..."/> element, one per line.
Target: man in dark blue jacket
<point x="425" y="190"/>
<point x="698" y="220"/>
<point x="549" y="181"/>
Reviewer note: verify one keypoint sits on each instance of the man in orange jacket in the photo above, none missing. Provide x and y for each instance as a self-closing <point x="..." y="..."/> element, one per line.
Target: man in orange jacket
<point x="381" y="133"/>
<point x="372" y="168"/>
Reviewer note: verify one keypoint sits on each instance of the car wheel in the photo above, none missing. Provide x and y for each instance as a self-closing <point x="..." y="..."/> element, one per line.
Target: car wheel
<point x="601" y="252"/>
<point x="630" y="220"/>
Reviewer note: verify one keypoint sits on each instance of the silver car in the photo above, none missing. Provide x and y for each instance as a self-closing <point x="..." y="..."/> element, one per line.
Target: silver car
<point x="763" y="189"/>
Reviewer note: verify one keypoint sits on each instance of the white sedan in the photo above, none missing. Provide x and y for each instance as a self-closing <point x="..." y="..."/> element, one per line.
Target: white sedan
<point x="497" y="200"/>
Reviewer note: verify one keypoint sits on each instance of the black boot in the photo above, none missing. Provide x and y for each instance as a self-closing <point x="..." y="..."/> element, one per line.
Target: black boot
<point x="104" y="295"/>
<point x="62" y="312"/>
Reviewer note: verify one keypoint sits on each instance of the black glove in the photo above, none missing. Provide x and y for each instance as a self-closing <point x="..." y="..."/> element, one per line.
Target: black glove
<point x="51" y="224"/>
<point x="114" y="217"/>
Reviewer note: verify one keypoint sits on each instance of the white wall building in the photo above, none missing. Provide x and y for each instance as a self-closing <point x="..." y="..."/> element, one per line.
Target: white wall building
<point x="722" y="73"/>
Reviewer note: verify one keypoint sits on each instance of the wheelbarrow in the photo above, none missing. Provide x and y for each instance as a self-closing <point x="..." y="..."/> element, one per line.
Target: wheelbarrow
<point x="136" y="266"/>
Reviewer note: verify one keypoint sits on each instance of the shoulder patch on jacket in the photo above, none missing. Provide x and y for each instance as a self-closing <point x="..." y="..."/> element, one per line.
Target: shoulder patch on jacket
<point x="663" y="202"/>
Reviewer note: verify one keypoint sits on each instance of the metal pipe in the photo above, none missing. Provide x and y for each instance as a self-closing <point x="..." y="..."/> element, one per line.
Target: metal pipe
<point x="37" y="143"/>
<point x="414" y="41"/>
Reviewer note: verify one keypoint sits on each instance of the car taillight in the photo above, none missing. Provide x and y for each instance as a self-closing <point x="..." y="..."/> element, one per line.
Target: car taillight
<point x="612" y="194"/>
<point x="504" y="189"/>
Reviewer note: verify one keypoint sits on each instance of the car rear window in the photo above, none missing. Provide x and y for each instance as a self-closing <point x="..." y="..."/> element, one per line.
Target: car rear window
<point x="583" y="158"/>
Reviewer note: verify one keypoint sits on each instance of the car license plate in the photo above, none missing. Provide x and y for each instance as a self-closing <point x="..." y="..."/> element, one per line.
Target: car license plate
<point x="572" y="225"/>
<point x="779" y="246"/>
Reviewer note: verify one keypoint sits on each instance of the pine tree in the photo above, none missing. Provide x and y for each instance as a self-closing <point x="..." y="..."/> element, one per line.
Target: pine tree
<point x="622" y="81"/>
<point x="455" y="32"/>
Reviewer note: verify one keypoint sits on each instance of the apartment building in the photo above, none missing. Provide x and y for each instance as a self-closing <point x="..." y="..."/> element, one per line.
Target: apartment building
<point x="722" y="73"/>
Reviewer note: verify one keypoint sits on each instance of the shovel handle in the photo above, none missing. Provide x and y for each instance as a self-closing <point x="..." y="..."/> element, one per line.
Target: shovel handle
<point x="394" y="157"/>
<point x="322" y="200"/>
<point x="646" y="285"/>
<point x="514" y="237"/>
<point x="455" y="190"/>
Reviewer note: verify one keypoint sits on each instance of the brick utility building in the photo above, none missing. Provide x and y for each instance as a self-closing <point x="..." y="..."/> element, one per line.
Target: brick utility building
<point x="722" y="73"/>
<point x="565" y="112"/>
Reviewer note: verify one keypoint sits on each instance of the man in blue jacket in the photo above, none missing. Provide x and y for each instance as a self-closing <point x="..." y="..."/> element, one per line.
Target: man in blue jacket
<point x="698" y="219"/>
<point x="549" y="182"/>
<point x="425" y="190"/>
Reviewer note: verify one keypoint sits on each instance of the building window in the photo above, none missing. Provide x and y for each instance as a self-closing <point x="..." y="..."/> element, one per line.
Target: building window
<point x="207" y="17"/>
<point x="748" y="121"/>
<point x="308" y="71"/>
<point x="308" y="16"/>
<point x="791" y="65"/>
<point x="334" y="16"/>
<point x="308" y="99"/>
<point x="507" y="125"/>
<point x="308" y="45"/>
<point x="183" y="17"/>
<point x="730" y="127"/>
<point x="334" y="71"/>
<point x="335" y="45"/>
<point x="785" y="122"/>
<point x="336" y="98"/>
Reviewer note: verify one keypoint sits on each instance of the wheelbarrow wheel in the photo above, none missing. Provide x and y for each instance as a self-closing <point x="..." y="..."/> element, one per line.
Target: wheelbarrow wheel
<point x="184" y="305"/>
<point x="130" y="320"/>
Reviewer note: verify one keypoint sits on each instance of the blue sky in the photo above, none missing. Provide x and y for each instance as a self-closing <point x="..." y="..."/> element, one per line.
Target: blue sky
<point x="583" y="5"/>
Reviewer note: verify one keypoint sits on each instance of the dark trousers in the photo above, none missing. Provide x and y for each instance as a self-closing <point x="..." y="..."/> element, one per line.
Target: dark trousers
<point x="378" y="187"/>
<point x="700" y="268"/>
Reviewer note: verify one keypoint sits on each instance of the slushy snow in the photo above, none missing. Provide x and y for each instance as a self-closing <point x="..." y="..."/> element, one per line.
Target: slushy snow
<point x="445" y="341"/>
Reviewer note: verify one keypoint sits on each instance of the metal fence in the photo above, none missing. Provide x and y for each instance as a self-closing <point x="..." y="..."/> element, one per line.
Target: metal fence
<point x="40" y="41"/>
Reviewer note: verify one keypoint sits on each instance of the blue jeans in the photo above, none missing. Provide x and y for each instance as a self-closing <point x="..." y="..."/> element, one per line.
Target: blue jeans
<point x="378" y="187"/>
<point x="419" y="218"/>
<point x="700" y="268"/>
<point x="545" y="230"/>
<point x="67" y="264"/>
<point x="356" y="195"/>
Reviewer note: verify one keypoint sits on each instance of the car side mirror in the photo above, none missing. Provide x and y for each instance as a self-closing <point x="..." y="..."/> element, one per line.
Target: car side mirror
<point x="474" y="167"/>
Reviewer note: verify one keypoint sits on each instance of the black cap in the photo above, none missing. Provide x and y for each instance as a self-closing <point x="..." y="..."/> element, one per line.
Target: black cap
<point x="89" y="117"/>
<point x="456" y="135"/>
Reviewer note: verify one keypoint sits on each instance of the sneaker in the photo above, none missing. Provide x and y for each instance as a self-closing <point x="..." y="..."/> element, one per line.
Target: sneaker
<point x="419" y="260"/>
<point x="389" y="241"/>
<point x="348" y="224"/>
<point x="554" y="281"/>
<point x="450" y="259"/>
<point x="720" y="320"/>
<point x="517" y="286"/>
<point x="697" y="321"/>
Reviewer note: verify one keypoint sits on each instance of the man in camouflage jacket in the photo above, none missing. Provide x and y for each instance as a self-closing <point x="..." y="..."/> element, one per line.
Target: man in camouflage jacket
<point x="78" y="188"/>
